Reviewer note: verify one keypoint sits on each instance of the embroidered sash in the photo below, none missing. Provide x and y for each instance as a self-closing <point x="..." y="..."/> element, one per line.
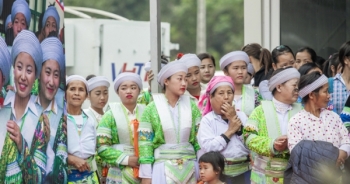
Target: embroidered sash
<point x="5" y="115"/>
<point x="121" y="121"/>
<point x="248" y="99"/>
<point x="185" y="119"/>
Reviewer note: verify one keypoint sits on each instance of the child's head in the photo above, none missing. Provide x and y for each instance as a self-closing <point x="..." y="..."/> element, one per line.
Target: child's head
<point x="211" y="166"/>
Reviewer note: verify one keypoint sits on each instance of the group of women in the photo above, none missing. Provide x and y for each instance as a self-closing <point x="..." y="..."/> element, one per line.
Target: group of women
<point x="33" y="141"/>
<point x="254" y="126"/>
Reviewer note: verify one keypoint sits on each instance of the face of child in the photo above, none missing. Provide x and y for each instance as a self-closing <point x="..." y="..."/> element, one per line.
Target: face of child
<point x="207" y="172"/>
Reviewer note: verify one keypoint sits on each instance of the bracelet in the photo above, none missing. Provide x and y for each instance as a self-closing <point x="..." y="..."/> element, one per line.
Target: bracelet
<point x="225" y="137"/>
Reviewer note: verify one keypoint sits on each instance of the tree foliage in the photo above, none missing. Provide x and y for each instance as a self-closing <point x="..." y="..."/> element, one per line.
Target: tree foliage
<point x="224" y="21"/>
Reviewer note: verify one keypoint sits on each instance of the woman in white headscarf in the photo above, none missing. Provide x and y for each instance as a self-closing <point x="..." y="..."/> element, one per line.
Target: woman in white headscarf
<point x="265" y="132"/>
<point x="49" y="80"/>
<point x="20" y="16"/>
<point x="8" y="148"/>
<point x="194" y="88"/>
<point x="81" y="133"/>
<point x="26" y="125"/>
<point x="167" y="132"/>
<point x="117" y="139"/>
<point x="234" y="64"/>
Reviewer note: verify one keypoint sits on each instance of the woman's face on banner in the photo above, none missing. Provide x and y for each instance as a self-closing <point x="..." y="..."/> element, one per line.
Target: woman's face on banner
<point x="24" y="74"/>
<point x="49" y="79"/>
<point x="19" y="24"/>
<point x="50" y="25"/>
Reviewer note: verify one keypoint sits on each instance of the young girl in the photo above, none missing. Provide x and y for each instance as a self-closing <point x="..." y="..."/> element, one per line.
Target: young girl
<point x="118" y="128"/>
<point x="211" y="168"/>
<point x="167" y="131"/>
<point x="234" y="64"/>
<point x="81" y="133"/>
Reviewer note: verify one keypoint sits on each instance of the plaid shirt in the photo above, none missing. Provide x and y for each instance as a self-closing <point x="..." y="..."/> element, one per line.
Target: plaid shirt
<point x="340" y="94"/>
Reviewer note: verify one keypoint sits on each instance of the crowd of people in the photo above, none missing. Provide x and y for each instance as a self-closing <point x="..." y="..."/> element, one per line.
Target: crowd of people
<point x="267" y="120"/>
<point x="33" y="141"/>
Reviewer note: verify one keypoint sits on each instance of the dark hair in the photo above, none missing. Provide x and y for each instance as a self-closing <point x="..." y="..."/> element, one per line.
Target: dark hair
<point x="216" y="160"/>
<point x="279" y="50"/>
<point x="309" y="51"/>
<point x="90" y="76"/>
<point x="258" y="52"/>
<point x="319" y="61"/>
<point x="306" y="80"/>
<point x="275" y="73"/>
<point x="332" y="60"/>
<point x="344" y="52"/>
<point x="202" y="56"/>
<point x="303" y="70"/>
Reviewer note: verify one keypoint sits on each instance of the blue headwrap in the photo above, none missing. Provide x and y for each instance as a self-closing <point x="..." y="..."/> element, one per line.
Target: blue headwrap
<point x="8" y="20"/>
<point x="27" y="42"/>
<point x="52" y="12"/>
<point x="52" y="49"/>
<point x="21" y="6"/>
<point x="5" y="60"/>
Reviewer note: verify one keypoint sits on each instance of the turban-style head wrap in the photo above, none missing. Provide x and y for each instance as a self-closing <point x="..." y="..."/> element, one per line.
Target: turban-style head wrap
<point x="190" y="60"/>
<point x="52" y="49"/>
<point x="250" y="69"/>
<point x="213" y="84"/>
<point x="127" y="76"/>
<point x="322" y="80"/>
<point x="283" y="76"/>
<point x="21" y="6"/>
<point x="233" y="56"/>
<point x="77" y="78"/>
<point x="27" y="42"/>
<point x="5" y="60"/>
<point x="169" y="70"/>
<point x="51" y="11"/>
<point x="97" y="82"/>
<point x="8" y="20"/>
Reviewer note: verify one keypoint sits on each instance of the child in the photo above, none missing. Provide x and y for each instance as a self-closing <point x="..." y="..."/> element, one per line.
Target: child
<point x="211" y="167"/>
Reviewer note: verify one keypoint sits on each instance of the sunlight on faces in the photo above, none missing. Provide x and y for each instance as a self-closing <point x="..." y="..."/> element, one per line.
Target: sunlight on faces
<point x="301" y="59"/>
<point x="24" y="74"/>
<point x="221" y="95"/>
<point x="320" y="98"/>
<point x="49" y="79"/>
<point x="76" y="93"/>
<point x="19" y="24"/>
<point x="284" y="61"/>
<point x="207" y="70"/>
<point x="287" y="91"/>
<point x="99" y="97"/>
<point x="177" y="83"/>
<point x="128" y="92"/>
<point x="207" y="172"/>
<point x="193" y="78"/>
<point x="237" y="70"/>
<point x="50" y="25"/>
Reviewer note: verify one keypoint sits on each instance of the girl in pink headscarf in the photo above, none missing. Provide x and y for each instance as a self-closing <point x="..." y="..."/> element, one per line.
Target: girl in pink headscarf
<point x="221" y="129"/>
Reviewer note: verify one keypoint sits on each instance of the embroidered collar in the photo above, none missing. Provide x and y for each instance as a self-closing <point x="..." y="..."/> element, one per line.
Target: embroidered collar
<point x="10" y="101"/>
<point x="127" y="110"/>
<point x="52" y="106"/>
<point x="281" y="107"/>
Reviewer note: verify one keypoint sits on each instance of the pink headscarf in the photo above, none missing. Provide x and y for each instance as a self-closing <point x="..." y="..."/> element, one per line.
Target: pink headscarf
<point x="204" y="101"/>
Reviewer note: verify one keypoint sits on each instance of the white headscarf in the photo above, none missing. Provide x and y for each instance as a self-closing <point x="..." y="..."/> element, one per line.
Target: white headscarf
<point x="169" y="70"/>
<point x="233" y="56"/>
<point x="52" y="49"/>
<point x="77" y="78"/>
<point x="127" y="76"/>
<point x="190" y="60"/>
<point x="21" y="6"/>
<point x="98" y="81"/>
<point x="52" y="12"/>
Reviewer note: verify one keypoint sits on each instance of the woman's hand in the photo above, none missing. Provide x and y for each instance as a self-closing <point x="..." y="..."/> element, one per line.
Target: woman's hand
<point x="281" y="143"/>
<point x="78" y="163"/>
<point x="15" y="134"/>
<point x="341" y="157"/>
<point x="150" y="77"/>
<point x="133" y="161"/>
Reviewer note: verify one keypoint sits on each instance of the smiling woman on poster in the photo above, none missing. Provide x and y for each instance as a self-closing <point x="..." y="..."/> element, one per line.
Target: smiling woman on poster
<point x="28" y="128"/>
